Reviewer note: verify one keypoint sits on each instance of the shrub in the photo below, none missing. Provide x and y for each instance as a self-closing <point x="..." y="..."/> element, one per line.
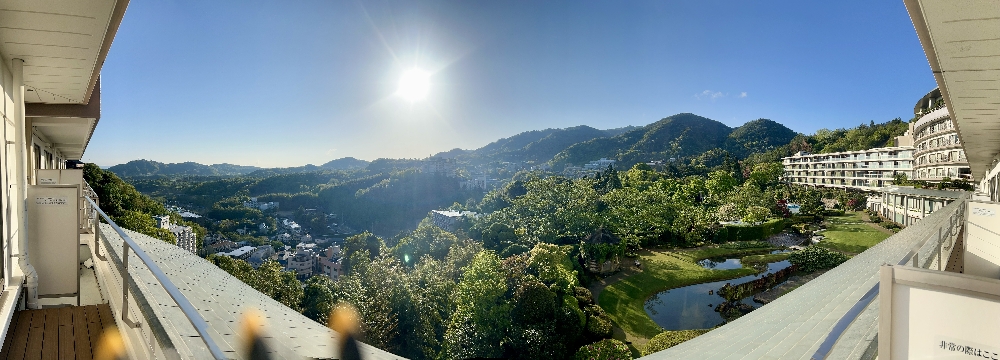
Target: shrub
<point x="816" y="258"/>
<point x="740" y="245"/>
<point x="750" y="232"/>
<point x="583" y="296"/>
<point x="607" y="349"/>
<point x="598" y="322"/>
<point x="669" y="339"/>
<point x="598" y="327"/>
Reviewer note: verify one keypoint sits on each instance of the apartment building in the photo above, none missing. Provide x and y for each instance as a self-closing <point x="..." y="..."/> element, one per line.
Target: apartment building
<point x="938" y="150"/>
<point x="329" y="262"/>
<point x="864" y="170"/>
<point x="186" y="238"/>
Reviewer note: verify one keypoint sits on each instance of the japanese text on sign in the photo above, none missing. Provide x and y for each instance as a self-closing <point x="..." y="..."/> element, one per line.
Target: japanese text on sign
<point x="972" y="351"/>
<point x="50" y="200"/>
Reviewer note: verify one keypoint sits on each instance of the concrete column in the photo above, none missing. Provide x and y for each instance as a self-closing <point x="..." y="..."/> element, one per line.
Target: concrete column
<point x="20" y="147"/>
<point x="22" y="142"/>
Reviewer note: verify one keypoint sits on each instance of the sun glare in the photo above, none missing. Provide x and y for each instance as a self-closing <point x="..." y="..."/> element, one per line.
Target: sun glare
<point x="414" y="85"/>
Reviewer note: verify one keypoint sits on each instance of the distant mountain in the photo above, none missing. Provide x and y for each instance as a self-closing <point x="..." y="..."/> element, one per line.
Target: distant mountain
<point x="536" y="145"/>
<point x="346" y="163"/>
<point x="677" y="136"/>
<point x="681" y="135"/>
<point x="150" y="168"/>
<point x="621" y="130"/>
<point x="513" y="143"/>
<point x="451" y="154"/>
<point x="545" y="148"/>
<point x="758" y="136"/>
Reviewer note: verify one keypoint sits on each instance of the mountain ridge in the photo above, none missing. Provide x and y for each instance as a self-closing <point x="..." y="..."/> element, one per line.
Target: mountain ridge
<point x="676" y="136"/>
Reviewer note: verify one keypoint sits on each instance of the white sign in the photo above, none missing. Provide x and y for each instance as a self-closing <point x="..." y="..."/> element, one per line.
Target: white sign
<point x="927" y="314"/>
<point x="47" y="181"/>
<point x="50" y="200"/>
<point x="982" y="211"/>
<point x="953" y="348"/>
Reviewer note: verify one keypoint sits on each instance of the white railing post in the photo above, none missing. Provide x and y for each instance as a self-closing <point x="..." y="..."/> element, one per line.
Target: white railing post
<point x="190" y="312"/>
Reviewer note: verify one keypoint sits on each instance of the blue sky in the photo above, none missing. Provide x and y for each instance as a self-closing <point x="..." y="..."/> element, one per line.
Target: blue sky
<point x="287" y="83"/>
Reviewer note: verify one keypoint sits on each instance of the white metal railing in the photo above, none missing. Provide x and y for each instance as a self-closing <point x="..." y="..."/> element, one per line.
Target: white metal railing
<point x="926" y="254"/>
<point x="192" y="315"/>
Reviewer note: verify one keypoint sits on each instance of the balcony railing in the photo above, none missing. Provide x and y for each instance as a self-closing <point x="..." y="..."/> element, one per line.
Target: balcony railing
<point x="834" y="315"/>
<point x="130" y="287"/>
<point x="936" y="236"/>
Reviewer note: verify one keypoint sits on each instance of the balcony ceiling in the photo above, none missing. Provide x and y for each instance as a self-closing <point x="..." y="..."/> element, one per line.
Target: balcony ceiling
<point x="962" y="42"/>
<point x="63" y="44"/>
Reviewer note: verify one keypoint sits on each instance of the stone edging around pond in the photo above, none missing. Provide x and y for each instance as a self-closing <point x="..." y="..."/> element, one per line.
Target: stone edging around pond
<point x="792" y="283"/>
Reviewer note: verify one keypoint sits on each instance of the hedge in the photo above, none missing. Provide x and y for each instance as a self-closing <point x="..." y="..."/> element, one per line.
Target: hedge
<point x="669" y="339"/>
<point x="607" y="349"/>
<point x="750" y="232"/>
<point x="815" y="258"/>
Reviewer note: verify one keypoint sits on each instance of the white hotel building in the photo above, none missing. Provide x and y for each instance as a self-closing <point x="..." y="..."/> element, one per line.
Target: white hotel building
<point x="938" y="149"/>
<point x="865" y="170"/>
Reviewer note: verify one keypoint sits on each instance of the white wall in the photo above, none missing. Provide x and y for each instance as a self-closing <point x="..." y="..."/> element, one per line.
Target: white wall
<point x="8" y="173"/>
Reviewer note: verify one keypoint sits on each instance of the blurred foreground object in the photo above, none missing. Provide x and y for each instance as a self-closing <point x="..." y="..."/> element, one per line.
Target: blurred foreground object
<point x="111" y="346"/>
<point x="345" y="321"/>
<point x="252" y="329"/>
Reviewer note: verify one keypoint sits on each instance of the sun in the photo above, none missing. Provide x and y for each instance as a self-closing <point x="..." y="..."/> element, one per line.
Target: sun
<point x="414" y="85"/>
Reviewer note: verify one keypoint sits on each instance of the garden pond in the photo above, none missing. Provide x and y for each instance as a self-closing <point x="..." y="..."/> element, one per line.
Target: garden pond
<point x="693" y="306"/>
<point x="723" y="263"/>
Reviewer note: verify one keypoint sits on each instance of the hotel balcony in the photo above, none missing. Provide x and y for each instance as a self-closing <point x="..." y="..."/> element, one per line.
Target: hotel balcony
<point x="837" y="315"/>
<point x="69" y="273"/>
<point x="165" y="302"/>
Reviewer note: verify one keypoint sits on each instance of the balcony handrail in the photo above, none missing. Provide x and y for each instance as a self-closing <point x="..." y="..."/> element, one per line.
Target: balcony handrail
<point x="182" y="302"/>
<point x="955" y="219"/>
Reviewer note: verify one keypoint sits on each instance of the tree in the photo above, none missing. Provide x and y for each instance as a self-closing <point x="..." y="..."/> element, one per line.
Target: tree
<point x="427" y="239"/>
<point x="766" y="174"/>
<point x="370" y="244"/>
<point x="756" y="214"/>
<point x="719" y="184"/>
<point x="640" y="217"/>
<point x="317" y="300"/>
<point x="478" y="325"/>
<point x="125" y="205"/>
<point x="553" y="266"/>
<point x="376" y="287"/>
<point x="693" y="226"/>
<point x="280" y="285"/>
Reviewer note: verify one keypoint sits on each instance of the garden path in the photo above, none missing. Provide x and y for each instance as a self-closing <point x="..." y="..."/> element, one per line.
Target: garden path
<point x="628" y="269"/>
<point x="596" y="287"/>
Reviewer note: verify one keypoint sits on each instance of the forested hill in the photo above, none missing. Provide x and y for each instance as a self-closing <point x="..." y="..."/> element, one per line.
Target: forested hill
<point x="536" y="145"/>
<point x="685" y="136"/>
<point x="681" y="135"/>
<point x="136" y="168"/>
<point x="347" y="163"/>
<point x="150" y="168"/>
<point x="863" y="137"/>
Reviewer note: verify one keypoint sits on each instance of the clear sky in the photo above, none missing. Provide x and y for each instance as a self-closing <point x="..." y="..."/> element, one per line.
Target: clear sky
<point x="288" y="83"/>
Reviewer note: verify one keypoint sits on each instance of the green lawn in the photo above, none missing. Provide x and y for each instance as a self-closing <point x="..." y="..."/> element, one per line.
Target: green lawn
<point x="848" y="233"/>
<point x="624" y="300"/>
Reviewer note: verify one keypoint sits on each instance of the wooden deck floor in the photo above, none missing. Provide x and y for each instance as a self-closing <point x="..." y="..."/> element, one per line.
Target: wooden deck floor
<point x="58" y="333"/>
